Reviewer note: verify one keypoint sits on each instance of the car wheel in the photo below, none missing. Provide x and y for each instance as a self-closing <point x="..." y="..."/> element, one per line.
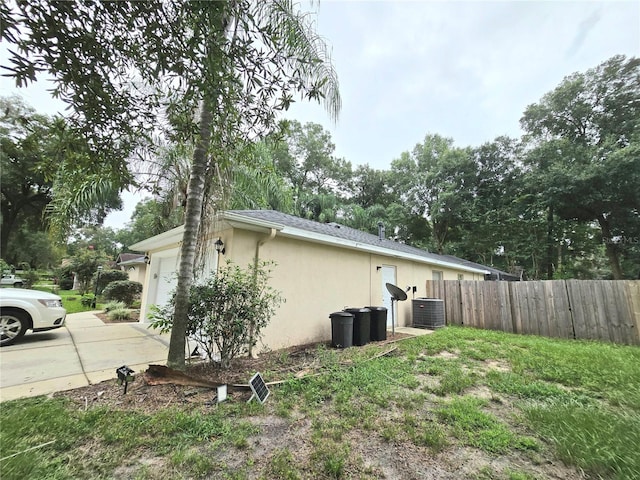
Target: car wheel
<point x="13" y="325"/>
<point x="18" y="285"/>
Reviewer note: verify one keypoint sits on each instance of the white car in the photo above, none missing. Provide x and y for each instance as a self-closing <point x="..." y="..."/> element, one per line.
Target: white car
<point x="22" y="310"/>
<point x="11" y="280"/>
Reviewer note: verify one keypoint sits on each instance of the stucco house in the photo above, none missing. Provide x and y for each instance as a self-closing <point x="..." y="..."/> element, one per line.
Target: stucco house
<point x="320" y="268"/>
<point x="134" y="264"/>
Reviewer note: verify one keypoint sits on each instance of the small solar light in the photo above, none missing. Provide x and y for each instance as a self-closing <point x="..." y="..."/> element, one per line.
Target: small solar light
<point x="259" y="388"/>
<point x="125" y="375"/>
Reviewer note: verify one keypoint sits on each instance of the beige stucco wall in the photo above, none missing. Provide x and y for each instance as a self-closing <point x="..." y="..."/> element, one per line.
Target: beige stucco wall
<point x="315" y="280"/>
<point x="137" y="273"/>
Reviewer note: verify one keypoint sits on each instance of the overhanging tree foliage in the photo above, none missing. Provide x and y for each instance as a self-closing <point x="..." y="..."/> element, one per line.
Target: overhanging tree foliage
<point x="129" y="69"/>
<point x="586" y="134"/>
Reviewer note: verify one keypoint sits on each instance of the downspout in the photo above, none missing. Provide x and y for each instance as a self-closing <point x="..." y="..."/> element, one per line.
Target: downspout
<point x="256" y="260"/>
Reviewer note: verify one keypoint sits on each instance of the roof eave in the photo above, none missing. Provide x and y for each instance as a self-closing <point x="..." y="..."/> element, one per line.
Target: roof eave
<point x="159" y="241"/>
<point x="248" y="223"/>
<point x="387" y="252"/>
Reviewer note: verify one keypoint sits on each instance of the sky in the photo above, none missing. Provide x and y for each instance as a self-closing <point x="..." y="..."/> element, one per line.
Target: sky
<point x="464" y="70"/>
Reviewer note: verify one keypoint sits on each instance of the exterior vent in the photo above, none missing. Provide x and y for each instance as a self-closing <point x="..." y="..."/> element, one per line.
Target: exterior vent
<point x="428" y="313"/>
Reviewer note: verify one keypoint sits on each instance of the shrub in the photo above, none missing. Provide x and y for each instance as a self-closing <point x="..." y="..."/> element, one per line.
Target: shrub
<point x="113" y="305"/>
<point x="85" y="265"/>
<point x="121" y="313"/>
<point x="109" y="276"/>
<point x="123" y="291"/>
<point x="87" y="300"/>
<point x="66" y="283"/>
<point x="30" y="277"/>
<point x="228" y="311"/>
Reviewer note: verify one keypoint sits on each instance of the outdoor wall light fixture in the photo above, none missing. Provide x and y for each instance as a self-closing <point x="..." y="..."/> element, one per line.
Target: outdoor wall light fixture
<point x="219" y="246"/>
<point x="147" y="259"/>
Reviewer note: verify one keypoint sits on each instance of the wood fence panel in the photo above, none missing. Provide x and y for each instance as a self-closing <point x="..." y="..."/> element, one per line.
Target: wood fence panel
<point x="623" y="324"/>
<point x="453" y="302"/>
<point x="469" y="310"/>
<point x="490" y="307"/>
<point x="504" y="307"/>
<point x="558" y="310"/>
<point x="480" y="305"/>
<point x="480" y="308"/>
<point x="516" y="316"/>
<point x="525" y="308"/>
<point x="577" y="306"/>
<point x="598" y="289"/>
<point x="585" y="309"/>
<point x="540" y="313"/>
<point x="632" y="290"/>
<point x="613" y="306"/>
<point x="435" y="289"/>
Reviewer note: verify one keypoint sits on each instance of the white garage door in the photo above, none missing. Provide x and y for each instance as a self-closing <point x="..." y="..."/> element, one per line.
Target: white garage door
<point x="167" y="279"/>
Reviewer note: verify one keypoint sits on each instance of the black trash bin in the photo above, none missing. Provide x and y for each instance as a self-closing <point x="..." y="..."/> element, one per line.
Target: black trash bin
<point x="341" y="329"/>
<point x="378" y="324"/>
<point x="361" y="325"/>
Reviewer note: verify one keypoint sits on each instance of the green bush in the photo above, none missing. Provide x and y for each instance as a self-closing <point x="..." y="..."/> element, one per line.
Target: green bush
<point x="121" y="313"/>
<point x="30" y="277"/>
<point x="113" y="305"/>
<point x="228" y="311"/>
<point x="87" y="300"/>
<point x="123" y="291"/>
<point x="66" y="283"/>
<point x="109" y="276"/>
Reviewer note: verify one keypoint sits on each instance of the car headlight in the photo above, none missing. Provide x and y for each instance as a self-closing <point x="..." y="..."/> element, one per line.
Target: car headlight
<point x="51" y="303"/>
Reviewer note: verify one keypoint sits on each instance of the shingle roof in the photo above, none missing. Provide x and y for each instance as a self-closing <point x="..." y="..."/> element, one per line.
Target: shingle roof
<point x="348" y="233"/>
<point x="129" y="257"/>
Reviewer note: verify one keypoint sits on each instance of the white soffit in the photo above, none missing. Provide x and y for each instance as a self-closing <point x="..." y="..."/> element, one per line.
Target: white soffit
<point x="162" y="240"/>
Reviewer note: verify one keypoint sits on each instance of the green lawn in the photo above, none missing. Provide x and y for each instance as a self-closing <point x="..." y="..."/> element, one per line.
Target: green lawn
<point x="523" y="404"/>
<point x="71" y="299"/>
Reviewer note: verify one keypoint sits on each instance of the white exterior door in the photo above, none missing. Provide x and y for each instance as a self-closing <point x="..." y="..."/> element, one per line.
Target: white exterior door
<point x="388" y="276"/>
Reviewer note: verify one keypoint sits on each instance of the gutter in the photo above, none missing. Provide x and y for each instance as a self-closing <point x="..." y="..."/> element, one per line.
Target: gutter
<point x="256" y="260"/>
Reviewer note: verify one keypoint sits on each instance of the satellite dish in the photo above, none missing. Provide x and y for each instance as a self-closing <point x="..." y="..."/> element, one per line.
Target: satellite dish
<point x="397" y="293"/>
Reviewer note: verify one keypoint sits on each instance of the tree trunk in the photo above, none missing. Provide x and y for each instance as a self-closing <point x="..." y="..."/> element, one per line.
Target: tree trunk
<point x="610" y="248"/>
<point x="550" y="245"/>
<point x="195" y="197"/>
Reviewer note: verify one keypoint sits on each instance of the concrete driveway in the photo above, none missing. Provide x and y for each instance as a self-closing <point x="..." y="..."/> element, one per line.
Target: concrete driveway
<point x="83" y="352"/>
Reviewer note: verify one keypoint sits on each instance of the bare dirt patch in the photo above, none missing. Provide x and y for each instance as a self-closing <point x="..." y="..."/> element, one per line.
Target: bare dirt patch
<point x="278" y="365"/>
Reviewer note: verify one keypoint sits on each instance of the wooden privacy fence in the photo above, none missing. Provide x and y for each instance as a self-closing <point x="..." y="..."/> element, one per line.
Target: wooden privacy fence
<point x="606" y="310"/>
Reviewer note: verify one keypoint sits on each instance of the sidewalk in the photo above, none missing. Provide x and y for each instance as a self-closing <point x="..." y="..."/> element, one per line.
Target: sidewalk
<point x="84" y="352"/>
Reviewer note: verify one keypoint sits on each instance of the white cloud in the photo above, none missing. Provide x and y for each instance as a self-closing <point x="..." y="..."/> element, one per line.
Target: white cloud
<point x="462" y="69"/>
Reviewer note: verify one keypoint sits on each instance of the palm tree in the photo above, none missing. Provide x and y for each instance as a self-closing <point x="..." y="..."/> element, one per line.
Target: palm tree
<point x="298" y="56"/>
<point x="133" y="70"/>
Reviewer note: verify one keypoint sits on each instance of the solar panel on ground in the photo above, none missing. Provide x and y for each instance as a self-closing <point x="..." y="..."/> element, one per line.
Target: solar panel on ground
<point x="259" y="388"/>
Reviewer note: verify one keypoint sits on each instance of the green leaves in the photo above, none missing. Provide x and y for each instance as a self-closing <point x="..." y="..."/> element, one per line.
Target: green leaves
<point x="585" y="160"/>
<point x="227" y="311"/>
